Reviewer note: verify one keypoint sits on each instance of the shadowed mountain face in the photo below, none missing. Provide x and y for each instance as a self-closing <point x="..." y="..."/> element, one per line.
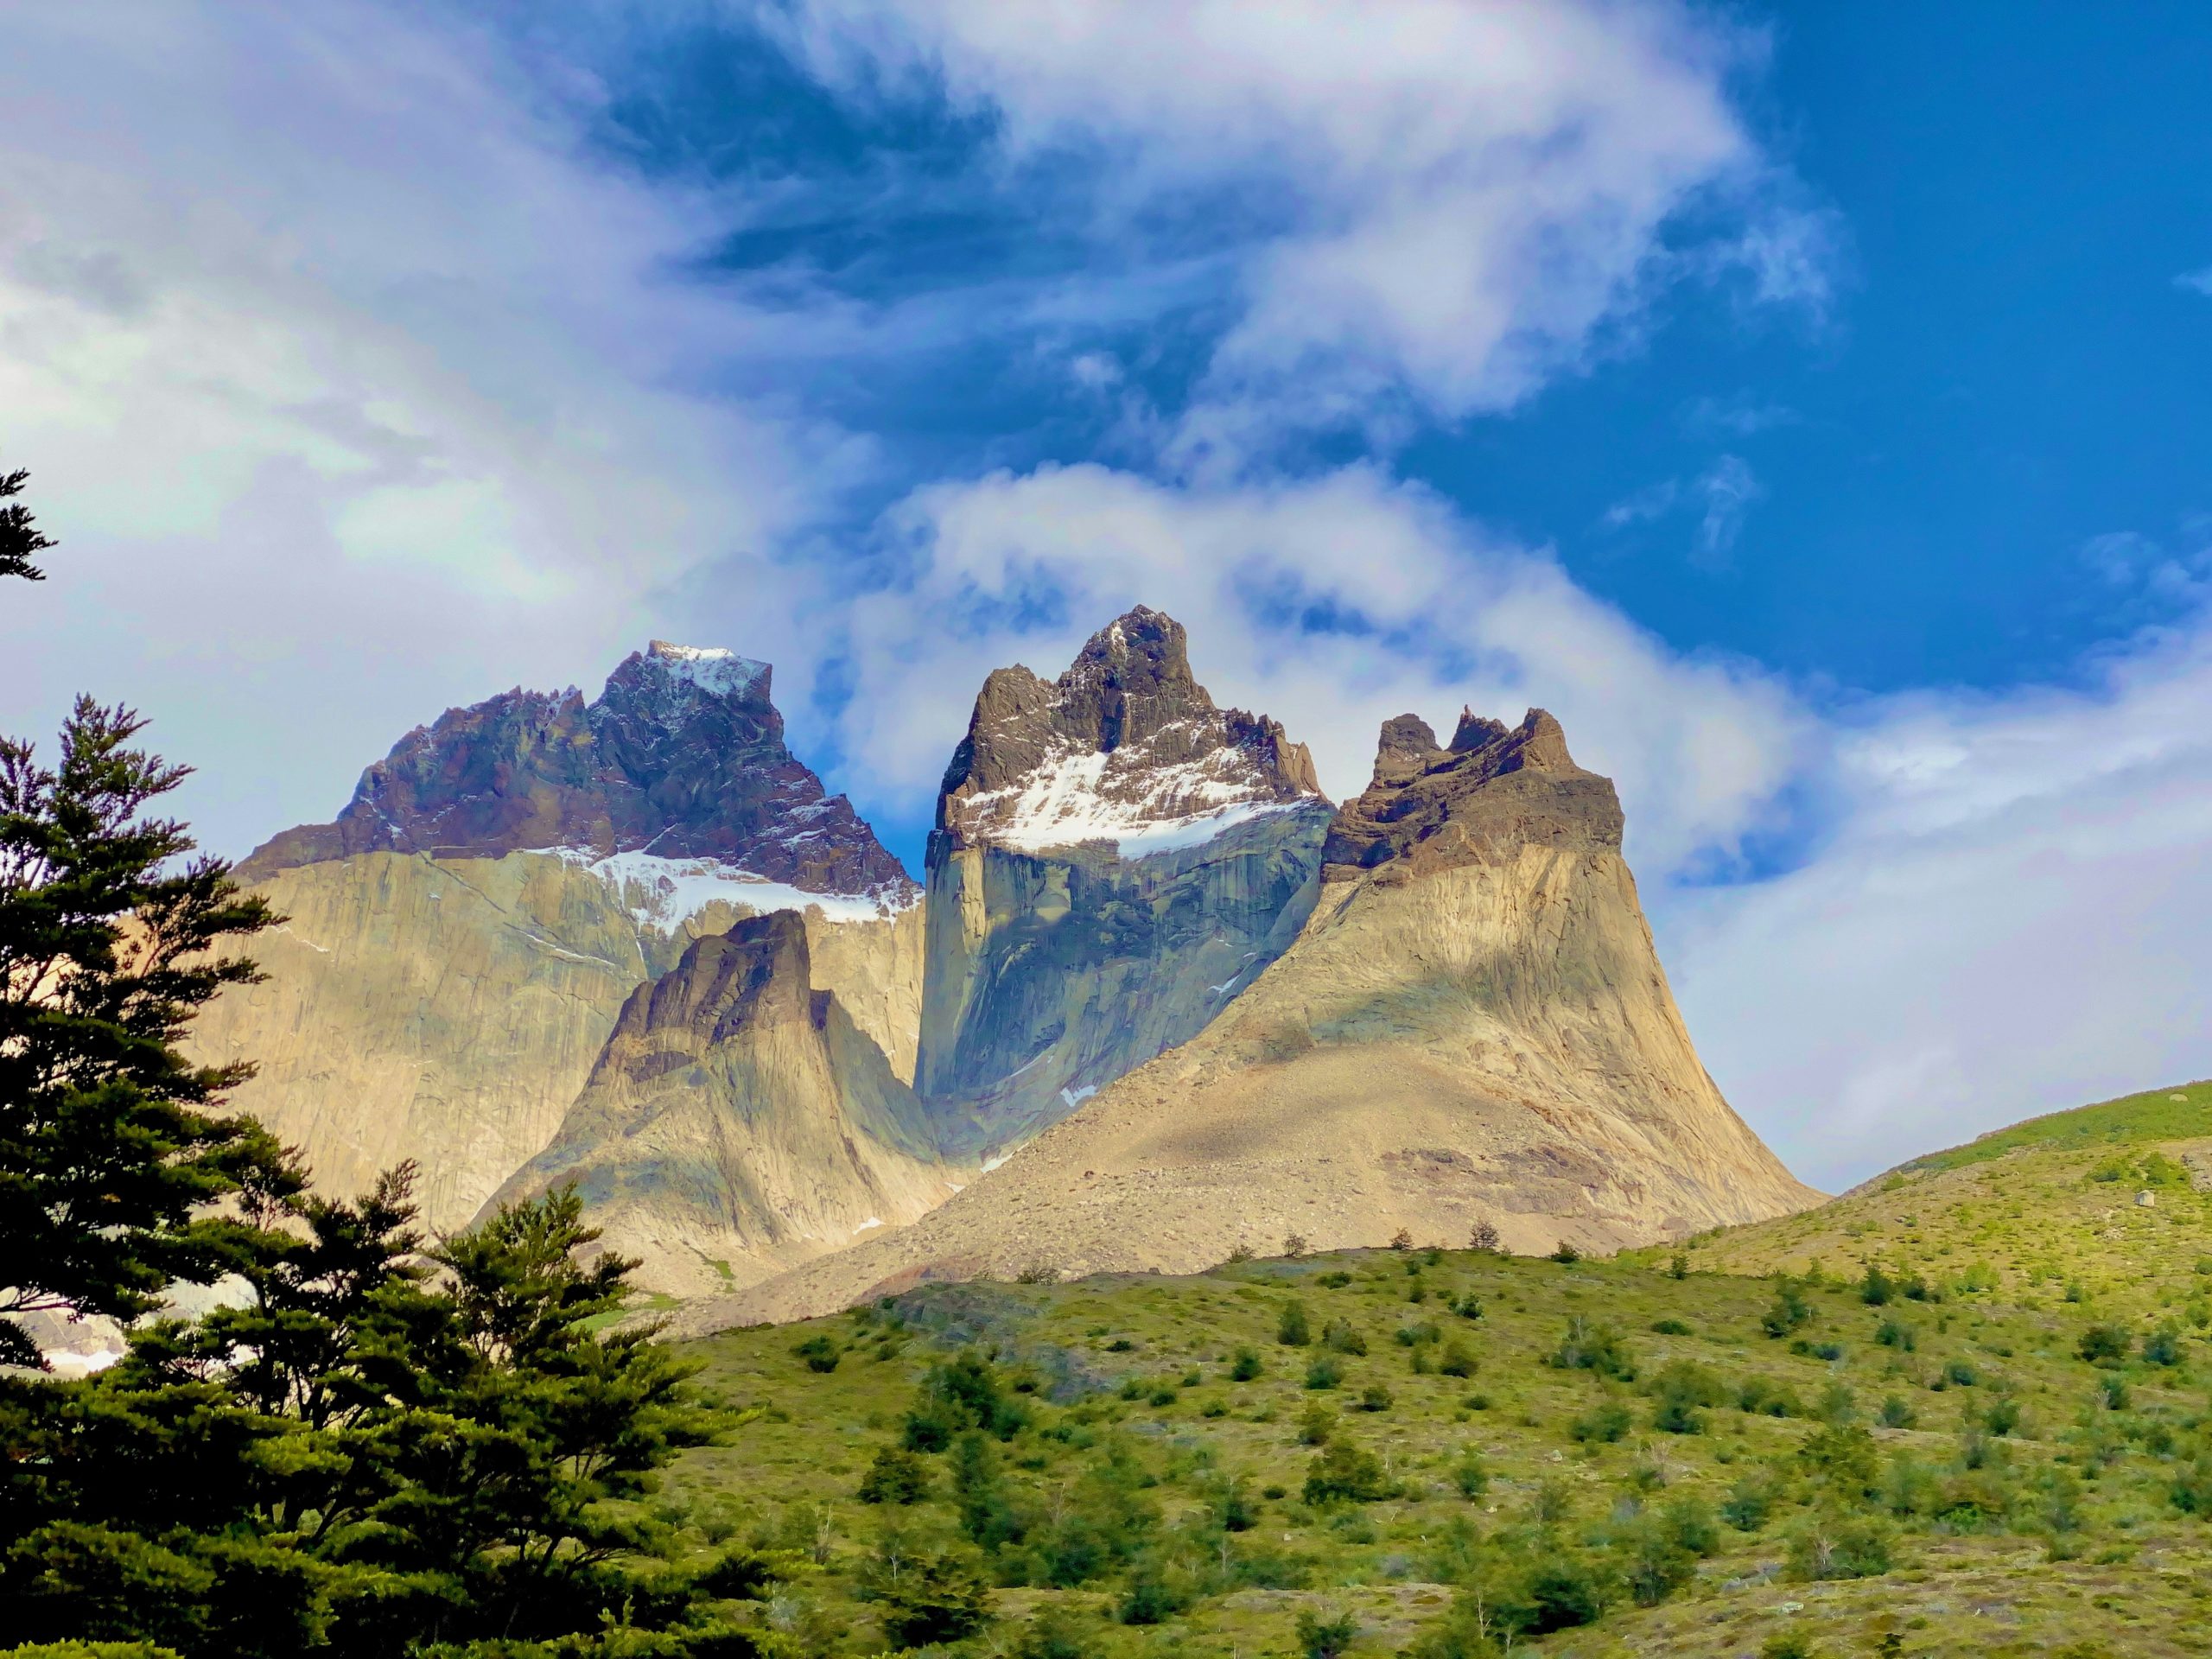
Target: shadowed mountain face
<point x="680" y="757"/>
<point x="1471" y="1027"/>
<point x="738" y="1122"/>
<point x="1115" y="858"/>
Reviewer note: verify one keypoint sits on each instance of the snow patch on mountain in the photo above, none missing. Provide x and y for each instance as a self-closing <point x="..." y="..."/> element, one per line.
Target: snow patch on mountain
<point x="663" y="893"/>
<point x="1119" y="796"/>
<point x="711" y="668"/>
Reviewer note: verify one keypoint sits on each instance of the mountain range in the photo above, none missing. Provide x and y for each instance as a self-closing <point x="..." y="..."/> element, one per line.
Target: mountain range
<point x="1157" y="1001"/>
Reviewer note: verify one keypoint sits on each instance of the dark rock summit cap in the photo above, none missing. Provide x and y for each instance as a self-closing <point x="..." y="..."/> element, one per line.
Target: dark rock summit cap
<point x="1492" y="792"/>
<point x="682" y="755"/>
<point x="1126" y="736"/>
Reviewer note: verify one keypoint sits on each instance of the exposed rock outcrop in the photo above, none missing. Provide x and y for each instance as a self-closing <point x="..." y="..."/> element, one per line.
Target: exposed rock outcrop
<point x="1471" y="1027"/>
<point x="1115" y="858"/>
<point x="680" y="757"/>
<point x="738" y="1121"/>
<point x="463" y="936"/>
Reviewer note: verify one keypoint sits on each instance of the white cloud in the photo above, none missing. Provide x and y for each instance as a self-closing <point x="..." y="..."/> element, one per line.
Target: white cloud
<point x="1653" y="501"/>
<point x="2014" y="915"/>
<point x="1729" y="490"/>
<point x="1422" y="612"/>
<point x="2198" y="281"/>
<point x="349" y="386"/>
<point x="1438" y="200"/>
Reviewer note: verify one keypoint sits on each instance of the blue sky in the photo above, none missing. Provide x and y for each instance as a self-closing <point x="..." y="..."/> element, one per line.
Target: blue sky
<point x="1807" y="403"/>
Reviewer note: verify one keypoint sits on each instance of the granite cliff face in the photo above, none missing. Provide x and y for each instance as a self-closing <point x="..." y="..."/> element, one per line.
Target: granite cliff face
<point x="1471" y="1027"/>
<point x="738" y="1121"/>
<point x="462" y="938"/>
<point x="1114" y="859"/>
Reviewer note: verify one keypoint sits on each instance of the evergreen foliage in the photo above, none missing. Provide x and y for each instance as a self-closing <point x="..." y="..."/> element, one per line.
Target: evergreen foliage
<point x="20" y="538"/>
<point x="111" y="937"/>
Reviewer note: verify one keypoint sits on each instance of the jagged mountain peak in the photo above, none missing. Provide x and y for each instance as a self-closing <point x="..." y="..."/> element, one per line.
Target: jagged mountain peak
<point x="1495" y="790"/>
<point x="680" y="761"/>
<point x="1125" y="746"/>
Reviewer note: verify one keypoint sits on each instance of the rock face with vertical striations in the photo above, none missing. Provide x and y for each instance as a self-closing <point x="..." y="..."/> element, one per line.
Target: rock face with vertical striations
<point x="738" y="1121"/>
<point x="461" y="937"/>
<point x="1471" y="1027"/>
<point x="1114" y="859"/>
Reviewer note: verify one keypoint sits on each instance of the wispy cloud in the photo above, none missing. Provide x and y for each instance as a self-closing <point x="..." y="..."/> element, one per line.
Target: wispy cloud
<point x="1433" y="207"/>
<point x="1653" y="501"/>
<point x="1740" y="416"/>
<point x="2197" y="280"/>
<point x="1721" y="496"/>
<point x="1729" y="490"/>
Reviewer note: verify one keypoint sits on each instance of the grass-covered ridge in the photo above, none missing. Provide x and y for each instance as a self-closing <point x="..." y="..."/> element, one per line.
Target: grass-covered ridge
<point x="1587" y="1458"/>
<point x="2176" y="1113"/>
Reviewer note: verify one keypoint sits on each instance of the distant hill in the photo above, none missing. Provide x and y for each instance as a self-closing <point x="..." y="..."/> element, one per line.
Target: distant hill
<point x="2104" y="1205"/>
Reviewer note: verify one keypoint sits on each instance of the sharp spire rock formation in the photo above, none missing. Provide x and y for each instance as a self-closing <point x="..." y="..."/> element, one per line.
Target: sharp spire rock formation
<point x="1115" y="858"/>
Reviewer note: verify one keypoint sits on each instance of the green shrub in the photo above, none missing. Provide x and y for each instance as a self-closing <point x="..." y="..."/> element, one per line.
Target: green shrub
<point x="1749" y="1502"/>
<point x="1877" y="1287"/>
<point x="821" y="1353"/>
<point x="1603" y="1423"/>
<point x="1789" y="1313"/>
<point x="1343" y="1471"/>
<point x="1246" y="1366"/>
<point x="1559" y="1594"/>
<point x="1153" y="1596"/>
<point x="1340" y="1337"/>
<point x="1764" y="1397"/>
<point x="1317" y="1423"/>
<point x="1680" y="1389"/>
<point x="1375" y="1397"/>
<point x="1840" y="1547"/>
<point x="1325" y="1372"/>
<point x="934" y="1598"/>
<point x="1894" y="1333"/>
<point x="1325" y="1638"/>
<point x="1588" y="1347"/>
<point x="896" y="1476"/>
<point x="1470" y="1475"/>
<point x="2162" y="1345"/>
<point x="1055" y="1633"/>
<point x="2103" y="1344"/>
<point x="1292" y="1330"/>
<point x="1670" y="1327"/>
<point x="1456" y="1359"/>
<point x="1895" y="1413"/>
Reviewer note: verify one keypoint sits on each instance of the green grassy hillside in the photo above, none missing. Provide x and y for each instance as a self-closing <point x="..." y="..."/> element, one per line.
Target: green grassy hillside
<point x="2099" y="1211"/>
<point x="1471" y="1453"/>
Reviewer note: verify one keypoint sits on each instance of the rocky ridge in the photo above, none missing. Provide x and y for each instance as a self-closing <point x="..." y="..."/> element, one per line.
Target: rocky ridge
<point x="1115" y="857"/>
<point x="1471" y="1027"/>
<point x="461" y="938"/>
<point x="678" y="765"/>
<point x="738" y="1121"/>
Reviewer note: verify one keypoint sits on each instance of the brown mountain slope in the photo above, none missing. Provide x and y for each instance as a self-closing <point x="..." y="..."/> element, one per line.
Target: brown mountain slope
<point x="449" y="1010"/>
<point x="1471" y="1027"/>
<point x="738" y="1121"/>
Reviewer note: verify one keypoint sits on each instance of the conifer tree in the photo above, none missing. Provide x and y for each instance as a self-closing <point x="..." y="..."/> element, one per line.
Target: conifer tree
<point x="19" y="537"/>
<point x="109" y="940"/>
